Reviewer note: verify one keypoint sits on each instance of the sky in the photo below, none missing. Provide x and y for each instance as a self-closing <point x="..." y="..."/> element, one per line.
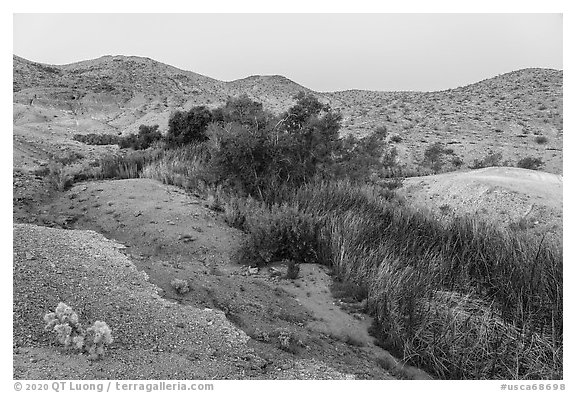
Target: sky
<point x="324" y="52"/>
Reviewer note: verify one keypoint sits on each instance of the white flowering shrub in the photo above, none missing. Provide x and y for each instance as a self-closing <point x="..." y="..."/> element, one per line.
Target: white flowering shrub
<point x="98" y="336"/>
<point x="69" y="332"/>
<point x="64" y="322"/>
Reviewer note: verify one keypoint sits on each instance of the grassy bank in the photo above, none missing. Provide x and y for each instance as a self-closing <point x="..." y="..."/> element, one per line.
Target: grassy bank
<point x="463" y="300"/>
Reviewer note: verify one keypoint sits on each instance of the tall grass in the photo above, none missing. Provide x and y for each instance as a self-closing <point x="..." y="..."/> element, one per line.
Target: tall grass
<point x="128" y="165"/>
<point x="183" y="167"/>
<point x="462" y="300"/>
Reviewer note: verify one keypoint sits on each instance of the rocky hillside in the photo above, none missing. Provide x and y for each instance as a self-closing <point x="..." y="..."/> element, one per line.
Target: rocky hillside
<point x="517" y="114"/>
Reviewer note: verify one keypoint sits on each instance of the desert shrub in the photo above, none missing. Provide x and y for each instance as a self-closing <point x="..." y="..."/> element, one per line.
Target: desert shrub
<point x="265" y="161"/>
<point x="69" y="332"/>
<point x="530" y="163"/>
<point x="244" y="111"/>
<point x="260" y="335"/>
<point x="97" y="139"/>
<point x="280" y="233"/>
<point x="491" y="159"/>
<point x="188" y="127"/>
<point x="180" y="286"/>
<point x="541" y="139"/>
<point x="434" y="156"/>
<point x="64" y="322"/>
<point x="66" y="157"/>
<point x="147" y="135"/>
<point x="360" y="159"/>
<point x="59" y="176"/>
<point x="457" y="162"/>
<point x="98" y="336"/>
<point x="288" y="341"/>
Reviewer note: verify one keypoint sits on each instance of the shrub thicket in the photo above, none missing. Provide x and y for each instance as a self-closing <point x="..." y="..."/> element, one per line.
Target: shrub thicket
<point x="147" y="135"/>
<point x="97" y="139"/>
<point x="490" y="159"/>
<point x="530" y="163"/>
<point x="188" y="127"/>
<point x="433" y="157"/>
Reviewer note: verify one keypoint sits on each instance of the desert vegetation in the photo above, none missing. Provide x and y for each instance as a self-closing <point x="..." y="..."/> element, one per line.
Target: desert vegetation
<point x="461" y="299"/>
<point x="458" y="298"/>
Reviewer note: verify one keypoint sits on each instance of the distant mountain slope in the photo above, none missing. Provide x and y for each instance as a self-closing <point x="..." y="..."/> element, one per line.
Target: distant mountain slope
<point x="505" y="114"/>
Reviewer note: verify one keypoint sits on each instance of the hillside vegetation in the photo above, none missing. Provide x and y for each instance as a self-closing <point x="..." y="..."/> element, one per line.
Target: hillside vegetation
<point x="460" y="298"/>
<point x="516" y="115"/>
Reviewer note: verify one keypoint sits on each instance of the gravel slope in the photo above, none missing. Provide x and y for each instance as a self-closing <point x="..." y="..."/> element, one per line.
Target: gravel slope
<point x="153" y="338"/>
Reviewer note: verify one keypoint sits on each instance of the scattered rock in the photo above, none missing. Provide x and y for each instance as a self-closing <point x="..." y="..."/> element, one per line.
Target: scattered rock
<point x="253" y="270"/>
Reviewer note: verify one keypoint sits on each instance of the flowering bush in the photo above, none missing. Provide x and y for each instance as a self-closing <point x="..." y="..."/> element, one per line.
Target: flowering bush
<point x="69" y="332"/>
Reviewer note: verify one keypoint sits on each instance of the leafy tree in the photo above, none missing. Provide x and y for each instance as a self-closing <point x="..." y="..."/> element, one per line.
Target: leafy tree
<point x="434" y="156"/>
<point x="307" y="106"/>
<point x="265" y="157"/>
<point x="188" y="127"/>
<point x="244" y="111"/>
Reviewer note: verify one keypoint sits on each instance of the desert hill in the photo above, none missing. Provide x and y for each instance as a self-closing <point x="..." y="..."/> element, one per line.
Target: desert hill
<point x="517" y="114"/>
<point x="520" y="199"/>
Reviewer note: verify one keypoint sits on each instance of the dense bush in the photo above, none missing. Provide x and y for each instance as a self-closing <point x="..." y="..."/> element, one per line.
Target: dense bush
<point x="491" y="159"/>
<point x="433" y="157"/>
<point x="146" y="136"/>
<point x="530" y="163"/>
<point x="188" y="127"/>
<point x="541" y="140"/>
<point x="244" y="111"/>
<point x="97" y="139"/>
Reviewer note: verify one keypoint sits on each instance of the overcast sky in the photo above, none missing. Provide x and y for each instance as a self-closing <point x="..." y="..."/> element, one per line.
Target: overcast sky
<point x="325" y="52"/>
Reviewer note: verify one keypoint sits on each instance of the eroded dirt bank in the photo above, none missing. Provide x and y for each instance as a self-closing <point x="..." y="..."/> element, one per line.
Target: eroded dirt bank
<point x="168" y="234"/>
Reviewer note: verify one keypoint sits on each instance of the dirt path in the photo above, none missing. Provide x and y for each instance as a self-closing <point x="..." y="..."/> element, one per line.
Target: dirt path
<point x="170" y="235"/>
